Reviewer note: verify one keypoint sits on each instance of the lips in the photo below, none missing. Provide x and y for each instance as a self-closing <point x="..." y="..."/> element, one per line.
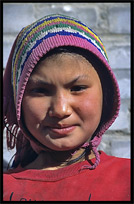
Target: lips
<point x="62" y="130"/>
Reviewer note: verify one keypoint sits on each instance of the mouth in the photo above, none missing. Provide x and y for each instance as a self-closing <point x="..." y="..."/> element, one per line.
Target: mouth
<point x="62" y="130"/>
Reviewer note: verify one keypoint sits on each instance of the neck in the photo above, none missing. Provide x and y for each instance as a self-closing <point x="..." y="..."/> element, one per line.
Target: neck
<point x="58" y="159"/>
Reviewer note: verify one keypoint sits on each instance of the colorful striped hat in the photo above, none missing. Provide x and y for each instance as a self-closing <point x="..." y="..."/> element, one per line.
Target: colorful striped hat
<point x="47" y="33"/>
<point x="37" y="39"/>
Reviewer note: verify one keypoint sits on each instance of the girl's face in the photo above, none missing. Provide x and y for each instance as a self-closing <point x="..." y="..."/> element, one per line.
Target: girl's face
<point x="62" y="103"/>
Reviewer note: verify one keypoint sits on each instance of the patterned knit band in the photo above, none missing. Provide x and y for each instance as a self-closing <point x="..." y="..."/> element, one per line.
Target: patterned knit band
<point x="48" y="33"/>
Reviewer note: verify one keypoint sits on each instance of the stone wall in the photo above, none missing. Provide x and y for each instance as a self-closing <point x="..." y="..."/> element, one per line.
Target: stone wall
<point x="111" y="21"/>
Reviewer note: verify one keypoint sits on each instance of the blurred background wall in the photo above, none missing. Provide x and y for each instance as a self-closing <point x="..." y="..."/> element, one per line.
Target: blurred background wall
<point x="111" y="21"/>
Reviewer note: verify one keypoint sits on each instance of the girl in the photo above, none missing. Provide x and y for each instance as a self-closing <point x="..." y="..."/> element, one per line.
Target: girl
<point x="60" y="96"/>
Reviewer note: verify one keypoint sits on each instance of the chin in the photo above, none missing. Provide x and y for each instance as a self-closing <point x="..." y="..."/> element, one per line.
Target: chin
<point x="63" y="147"/>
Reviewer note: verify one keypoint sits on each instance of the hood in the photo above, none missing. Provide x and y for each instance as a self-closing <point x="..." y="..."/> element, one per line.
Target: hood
<point x="33" y="42"/>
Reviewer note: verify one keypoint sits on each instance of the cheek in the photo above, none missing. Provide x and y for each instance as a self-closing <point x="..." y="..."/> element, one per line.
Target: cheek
<point x="90" y="107"/>
<point x="33" y="109"/>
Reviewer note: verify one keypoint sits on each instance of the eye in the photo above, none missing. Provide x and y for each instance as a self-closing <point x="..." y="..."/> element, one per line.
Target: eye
<point x="78" y="88"/>
<point x="40" y="91"/>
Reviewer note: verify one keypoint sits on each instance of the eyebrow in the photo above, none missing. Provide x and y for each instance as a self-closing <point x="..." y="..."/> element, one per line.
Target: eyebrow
<point x="77" y="79"/>
<point x="38" y="82"/>
<point x="45" y="83"/>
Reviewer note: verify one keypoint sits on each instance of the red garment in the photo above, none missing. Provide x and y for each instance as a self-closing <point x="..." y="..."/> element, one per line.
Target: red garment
<point x="110" y="181"/>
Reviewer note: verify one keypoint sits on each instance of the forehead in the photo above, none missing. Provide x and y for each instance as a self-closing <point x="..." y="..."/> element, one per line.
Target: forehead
<point x="67" y="62"/>
<point x="64" y="68"/>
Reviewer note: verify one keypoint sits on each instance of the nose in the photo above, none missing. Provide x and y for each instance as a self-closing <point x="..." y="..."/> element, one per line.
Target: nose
<point x="60" y="106"/>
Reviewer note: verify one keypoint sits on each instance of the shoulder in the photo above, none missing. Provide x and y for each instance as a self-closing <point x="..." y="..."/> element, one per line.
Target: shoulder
<point x="108" y="158"/>
<point x="11" y="172"/>
<point x="115" y="165"/>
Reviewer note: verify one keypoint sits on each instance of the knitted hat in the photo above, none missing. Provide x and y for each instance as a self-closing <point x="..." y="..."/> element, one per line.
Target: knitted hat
<point x="32" y="43"/>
